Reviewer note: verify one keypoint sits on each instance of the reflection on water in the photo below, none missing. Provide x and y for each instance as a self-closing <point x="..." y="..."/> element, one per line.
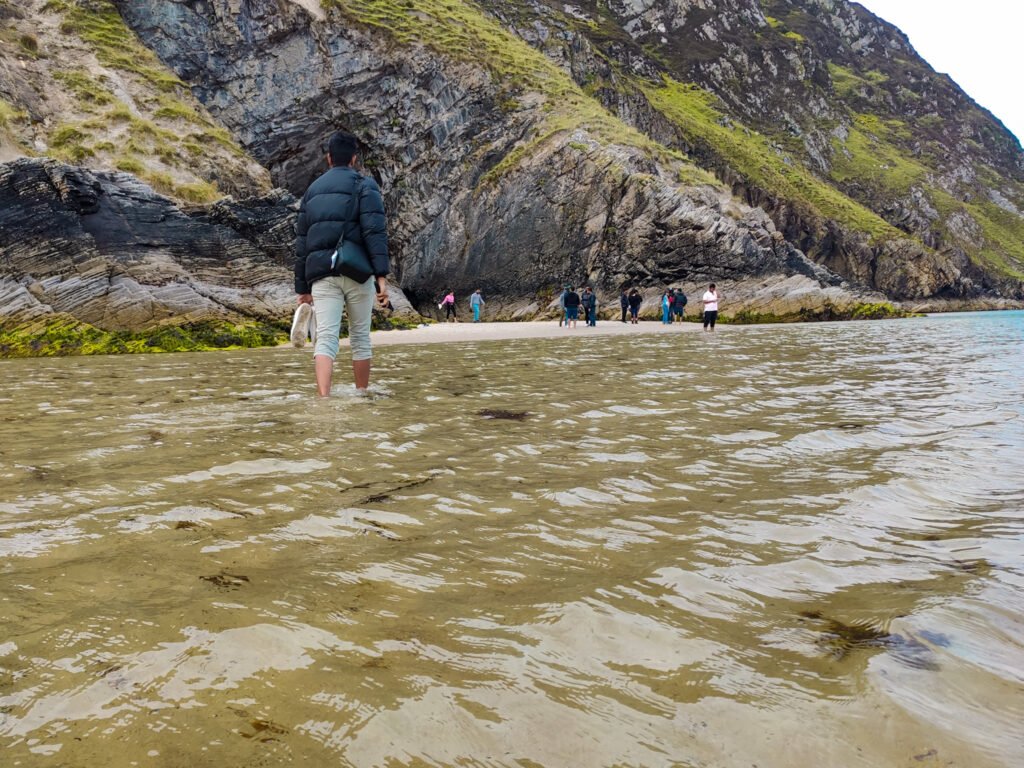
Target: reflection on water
<point x="781" y="546"/>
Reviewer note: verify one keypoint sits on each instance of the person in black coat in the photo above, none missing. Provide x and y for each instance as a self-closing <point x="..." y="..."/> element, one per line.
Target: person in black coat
<point x="572" y="307"/>
<point x="624" y="303"/>
<point x="341" y="201"/>
<point x="679" y="305"/>
<point x="589" y="300"/>
<point x="635" y="300"/>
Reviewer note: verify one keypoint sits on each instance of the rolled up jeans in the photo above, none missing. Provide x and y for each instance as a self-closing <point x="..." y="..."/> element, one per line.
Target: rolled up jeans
<point x="330" y="296"/>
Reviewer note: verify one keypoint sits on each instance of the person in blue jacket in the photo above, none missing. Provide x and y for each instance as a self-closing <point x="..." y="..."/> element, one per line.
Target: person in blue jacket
<point x="476" y="302"/>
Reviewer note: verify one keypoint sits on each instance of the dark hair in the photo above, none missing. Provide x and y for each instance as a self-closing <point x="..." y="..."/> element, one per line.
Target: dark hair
<point x="712" y="285"/>
<point x="342" y="147"/>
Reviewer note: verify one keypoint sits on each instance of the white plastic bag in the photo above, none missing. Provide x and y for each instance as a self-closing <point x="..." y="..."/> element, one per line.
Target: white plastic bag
<point x="303" y="325"/>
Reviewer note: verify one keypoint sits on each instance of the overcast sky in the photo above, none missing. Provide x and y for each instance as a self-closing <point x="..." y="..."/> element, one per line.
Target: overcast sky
<point x="979" y="43"/>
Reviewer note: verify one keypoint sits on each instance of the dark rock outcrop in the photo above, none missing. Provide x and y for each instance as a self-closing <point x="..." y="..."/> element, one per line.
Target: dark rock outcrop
<point x="106" y="250"/>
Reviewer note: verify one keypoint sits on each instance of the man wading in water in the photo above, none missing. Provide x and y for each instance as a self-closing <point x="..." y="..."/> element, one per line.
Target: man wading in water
<point x="341" y="202"/>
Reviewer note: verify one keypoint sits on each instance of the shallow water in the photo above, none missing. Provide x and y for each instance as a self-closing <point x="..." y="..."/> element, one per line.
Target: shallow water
<point x="777" y="546"/>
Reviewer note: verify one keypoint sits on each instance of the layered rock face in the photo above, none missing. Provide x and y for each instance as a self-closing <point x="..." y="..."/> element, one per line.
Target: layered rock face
<point x="470" y="209"/>
<point x="823" y="83"/>
<point x="796" y="151"/>
<point x="794" y="101"/>
<point x="81" y="88"/>
<point x="104" y="249"/>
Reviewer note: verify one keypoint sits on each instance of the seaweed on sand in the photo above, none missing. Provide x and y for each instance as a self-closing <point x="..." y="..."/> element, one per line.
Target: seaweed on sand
<point x="840" y="640"/>
<point x="498" y="413"/>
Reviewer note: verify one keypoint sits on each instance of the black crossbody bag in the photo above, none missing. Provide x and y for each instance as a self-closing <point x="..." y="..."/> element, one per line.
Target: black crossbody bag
<point x="349" y="258"/>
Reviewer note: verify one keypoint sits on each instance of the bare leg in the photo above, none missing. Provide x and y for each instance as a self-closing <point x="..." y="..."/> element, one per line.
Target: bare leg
<point x="361" y="373"/>
<point x="324" y="368"/>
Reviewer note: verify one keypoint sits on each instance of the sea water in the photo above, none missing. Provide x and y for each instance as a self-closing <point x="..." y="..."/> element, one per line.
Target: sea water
<point x="774" y="546"/>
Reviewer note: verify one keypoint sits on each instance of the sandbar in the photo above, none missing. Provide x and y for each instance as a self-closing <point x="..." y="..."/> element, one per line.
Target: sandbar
<point x="440" y="333"/>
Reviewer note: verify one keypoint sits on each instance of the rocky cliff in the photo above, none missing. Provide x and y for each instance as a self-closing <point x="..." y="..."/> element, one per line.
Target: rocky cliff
<point x="102" y="250"/>
<point x="797" y="151"/>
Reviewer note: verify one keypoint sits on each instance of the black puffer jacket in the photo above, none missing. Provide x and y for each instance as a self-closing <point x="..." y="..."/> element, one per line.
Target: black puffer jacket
<point x="322" y="219"/>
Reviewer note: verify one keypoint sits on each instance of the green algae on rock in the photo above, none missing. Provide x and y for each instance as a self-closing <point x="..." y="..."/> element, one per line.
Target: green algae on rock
<point x="60" y="340"/>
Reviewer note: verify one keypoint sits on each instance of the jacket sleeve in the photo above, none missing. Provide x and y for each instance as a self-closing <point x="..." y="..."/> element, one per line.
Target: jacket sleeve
<point x="373" y="227"/>
<point x="301" y="228"/>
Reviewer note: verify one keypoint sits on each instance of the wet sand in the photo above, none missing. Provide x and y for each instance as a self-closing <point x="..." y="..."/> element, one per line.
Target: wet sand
<point x="548" y="329"/>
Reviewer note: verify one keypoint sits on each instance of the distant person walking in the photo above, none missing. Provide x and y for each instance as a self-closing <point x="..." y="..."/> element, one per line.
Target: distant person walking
<point x="666" y="307"/>
<point x="679" y="305"/>
<point x="572" y="307"/>
<point x="448" y="304"/>
<point x="710" y="301"/>
<point x="340" y="203"/>
<point x="624" y="303"/>
<point x="635" y="300"/>
<point x="476" y="303"/>
<point x="589" y="299"/>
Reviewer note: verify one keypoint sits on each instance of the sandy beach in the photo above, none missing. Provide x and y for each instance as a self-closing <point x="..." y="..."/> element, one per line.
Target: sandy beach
<point x="439" y="333"/>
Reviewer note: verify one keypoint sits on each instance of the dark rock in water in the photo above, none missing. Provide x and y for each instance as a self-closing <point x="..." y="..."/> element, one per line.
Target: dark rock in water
<point x="977" y="567"/>
<point x="104" y="249"/>
<point x="497" y="413"/>
<point x="226" y="580"/>
<point x="264" y="730"/>
<point x="840" y="640"/>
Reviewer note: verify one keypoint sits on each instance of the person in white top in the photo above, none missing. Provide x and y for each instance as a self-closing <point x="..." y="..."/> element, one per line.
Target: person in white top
<point x="710" y="299"/>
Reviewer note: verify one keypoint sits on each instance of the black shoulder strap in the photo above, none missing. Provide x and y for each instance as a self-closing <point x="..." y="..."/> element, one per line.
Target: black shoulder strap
<point x="353" y="205"/>
<point x="353" y="201"/>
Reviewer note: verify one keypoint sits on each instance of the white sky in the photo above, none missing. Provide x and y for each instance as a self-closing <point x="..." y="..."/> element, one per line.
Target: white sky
<point x="979" y="43"/>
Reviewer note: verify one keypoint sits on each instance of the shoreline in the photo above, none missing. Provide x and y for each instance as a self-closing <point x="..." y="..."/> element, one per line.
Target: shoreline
<point x="72" y="341"/>
<point x="444" y="333"/>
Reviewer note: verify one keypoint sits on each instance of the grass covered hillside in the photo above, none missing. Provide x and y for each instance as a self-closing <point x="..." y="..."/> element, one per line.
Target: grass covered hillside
<point x="671" y="141"/>
<point x="813" y="108"/>
<point x="78" y="86"/>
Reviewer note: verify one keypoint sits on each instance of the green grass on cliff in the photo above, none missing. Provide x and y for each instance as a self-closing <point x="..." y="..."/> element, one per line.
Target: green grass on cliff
<point x="70" y="338"/>
<point x="86" y="88"/>
<point x="1004" y="238"/>
<point x="9" y="115"/>
<point x="752" y="156"/>
<point x="871" y="157"/>
<point x="461" y="31"/>
<point x="99" y="24"/>
<point x="157" y="134"/>
<point x="848" y="83"/>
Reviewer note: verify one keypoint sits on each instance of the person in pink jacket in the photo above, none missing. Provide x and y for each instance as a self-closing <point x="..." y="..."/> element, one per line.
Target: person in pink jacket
<point x="448" y="302"/>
